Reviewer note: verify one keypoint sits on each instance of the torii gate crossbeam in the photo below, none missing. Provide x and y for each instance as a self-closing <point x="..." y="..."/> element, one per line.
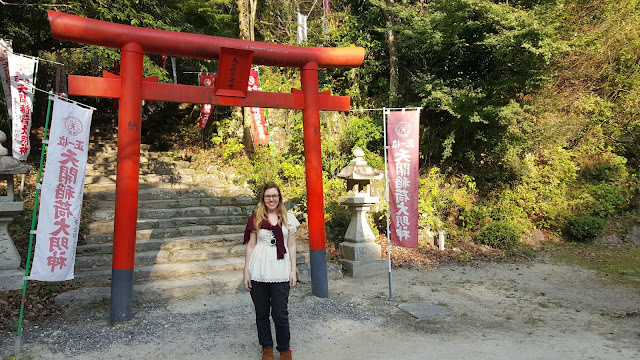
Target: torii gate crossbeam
<point x="131" y="89"/>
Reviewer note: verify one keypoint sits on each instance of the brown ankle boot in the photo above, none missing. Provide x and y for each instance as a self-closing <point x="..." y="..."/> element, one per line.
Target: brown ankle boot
<point x="267" y="353"/>
<point x="286" y="355"/>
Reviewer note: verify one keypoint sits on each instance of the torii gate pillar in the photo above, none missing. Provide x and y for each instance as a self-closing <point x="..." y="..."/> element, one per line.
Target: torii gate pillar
<point x="313" y="170"/>
<point x="127" y="180"/>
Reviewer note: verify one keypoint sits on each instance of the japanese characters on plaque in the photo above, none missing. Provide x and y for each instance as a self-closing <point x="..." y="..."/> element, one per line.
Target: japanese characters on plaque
<point x="61" y="194"/>
<point x="402" y="138"/>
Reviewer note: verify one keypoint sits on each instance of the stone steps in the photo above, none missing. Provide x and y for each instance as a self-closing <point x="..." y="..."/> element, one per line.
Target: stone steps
<point x="149" y="165"/>
<point x="150" y="273"/>
<point x="187" y="178"/>
<point x="226" y="194"/>
<point x="144" y="170"/>
<point x="168" y="244"/>
<point x="154" y="257"/>
<point x="189" y="228"/>
<point x="148" y="234"/>
<point x="178" y="212"/>
<point x="187" y="224"/>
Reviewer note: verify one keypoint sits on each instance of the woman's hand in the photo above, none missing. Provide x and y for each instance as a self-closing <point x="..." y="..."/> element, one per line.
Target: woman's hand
<point x="246" y="281"/>
<point x="246" y="278"/>
<point x="293" y="280"/>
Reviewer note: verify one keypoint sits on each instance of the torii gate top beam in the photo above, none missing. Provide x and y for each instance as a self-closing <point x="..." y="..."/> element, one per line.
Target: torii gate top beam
<point x="78" y="29"/>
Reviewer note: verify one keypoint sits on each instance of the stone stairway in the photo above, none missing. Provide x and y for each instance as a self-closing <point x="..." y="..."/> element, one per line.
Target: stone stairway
<point x="189" y="229"/>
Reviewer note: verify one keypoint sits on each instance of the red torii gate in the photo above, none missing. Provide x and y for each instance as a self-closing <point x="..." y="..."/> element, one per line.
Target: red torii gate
<point x="235" y="59"/>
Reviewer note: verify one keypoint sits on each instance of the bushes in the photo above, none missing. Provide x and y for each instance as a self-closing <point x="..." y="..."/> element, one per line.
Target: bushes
<point x="586" y="228"/>
<point x="337" y="222"/>
<point x="500" y="235"/>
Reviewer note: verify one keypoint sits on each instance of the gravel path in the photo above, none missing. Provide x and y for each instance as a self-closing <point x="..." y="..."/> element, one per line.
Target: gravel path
<point x="500" y="311"/>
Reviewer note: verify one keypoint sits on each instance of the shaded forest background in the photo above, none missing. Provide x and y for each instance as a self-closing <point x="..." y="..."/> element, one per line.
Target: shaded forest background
<point x="530" y="107"/>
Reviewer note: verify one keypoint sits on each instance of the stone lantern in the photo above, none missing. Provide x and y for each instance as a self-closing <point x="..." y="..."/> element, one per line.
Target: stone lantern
<point x="360" y="255"/>
<point x="10" y="275"/>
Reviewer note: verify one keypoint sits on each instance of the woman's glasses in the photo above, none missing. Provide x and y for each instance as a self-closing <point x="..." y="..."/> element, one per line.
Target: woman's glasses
<point x="271" y="197"/>
<point x="273" y="238"/>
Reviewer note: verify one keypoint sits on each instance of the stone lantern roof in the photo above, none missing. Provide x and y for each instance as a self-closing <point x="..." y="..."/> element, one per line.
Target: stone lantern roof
<point x="358" y="169"/>
<point x="359" y="175"/>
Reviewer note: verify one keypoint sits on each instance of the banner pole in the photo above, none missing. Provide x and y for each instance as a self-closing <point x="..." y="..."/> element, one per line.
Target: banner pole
<point x="18" y="342"/>
<point x="386" y="184"/>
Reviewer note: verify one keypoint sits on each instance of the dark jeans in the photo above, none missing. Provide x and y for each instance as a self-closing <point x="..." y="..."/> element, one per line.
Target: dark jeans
<point x="271" y="298"/>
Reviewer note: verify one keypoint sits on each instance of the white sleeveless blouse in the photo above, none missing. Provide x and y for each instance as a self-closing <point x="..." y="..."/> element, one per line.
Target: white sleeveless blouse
<point x="264" y="265"/>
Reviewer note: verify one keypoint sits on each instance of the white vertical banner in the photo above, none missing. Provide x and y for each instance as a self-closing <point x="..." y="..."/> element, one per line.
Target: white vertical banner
<point x="5" y="49"/>
<point x="325" y="22"/>
<point x="302" y="28"/>
<point x="61" y="195"/>
<point x="21" y="72"/>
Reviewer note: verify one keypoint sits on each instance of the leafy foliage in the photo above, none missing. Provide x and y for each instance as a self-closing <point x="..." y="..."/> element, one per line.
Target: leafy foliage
<point x="586" y="228"/>
<point x="474" y="62"/>
<point x="500" y="235"/>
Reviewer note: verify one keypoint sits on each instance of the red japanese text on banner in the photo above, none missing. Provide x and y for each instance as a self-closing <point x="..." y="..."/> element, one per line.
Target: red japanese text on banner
<point x="62" y="190"/>
<point x="5" y="49"/>
<point x="21" y="72"/>
<point x="260" y="129"/>
<point x="403" y="139"/>
<point x="207" y="80"/>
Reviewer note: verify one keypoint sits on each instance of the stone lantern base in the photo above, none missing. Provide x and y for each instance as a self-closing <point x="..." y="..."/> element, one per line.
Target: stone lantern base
<point x="11" y="275"/>
<point x="362" y="259"/>
<point x="11" y="279"/>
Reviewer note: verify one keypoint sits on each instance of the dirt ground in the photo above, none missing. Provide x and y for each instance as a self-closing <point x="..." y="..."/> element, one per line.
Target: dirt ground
<point x="532" y="310"/>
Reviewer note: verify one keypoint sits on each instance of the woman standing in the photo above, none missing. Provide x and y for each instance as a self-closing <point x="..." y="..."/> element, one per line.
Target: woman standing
<point x="270" y="268"/>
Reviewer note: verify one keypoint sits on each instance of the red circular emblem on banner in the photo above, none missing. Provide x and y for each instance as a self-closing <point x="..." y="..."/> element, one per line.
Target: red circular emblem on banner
<point x="403" y="129"/>
<point x="73" y="125"/>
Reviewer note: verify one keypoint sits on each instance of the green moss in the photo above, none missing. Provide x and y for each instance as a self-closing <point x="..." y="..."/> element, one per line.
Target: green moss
<point x="621" y="262"/>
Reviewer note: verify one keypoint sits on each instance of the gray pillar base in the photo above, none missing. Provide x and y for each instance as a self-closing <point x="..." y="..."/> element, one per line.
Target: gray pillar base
<point x="319" y="281"/>
<point x="121" y="295"/>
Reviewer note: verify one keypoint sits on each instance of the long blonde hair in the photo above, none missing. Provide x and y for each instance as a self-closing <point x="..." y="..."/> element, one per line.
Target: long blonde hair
<point x="261" y="212"/>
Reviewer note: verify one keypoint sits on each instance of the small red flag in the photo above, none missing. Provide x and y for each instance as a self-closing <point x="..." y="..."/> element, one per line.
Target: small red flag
<point x="260" y="129"/>
<point x="207" y="80"/>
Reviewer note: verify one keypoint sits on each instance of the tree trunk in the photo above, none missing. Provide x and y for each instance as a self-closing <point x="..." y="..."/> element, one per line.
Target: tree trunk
<point x="393" y="55"/>
<point x="246" y="33"/>
<point x="243" y="18"/>
<point x="252" y="19"/>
